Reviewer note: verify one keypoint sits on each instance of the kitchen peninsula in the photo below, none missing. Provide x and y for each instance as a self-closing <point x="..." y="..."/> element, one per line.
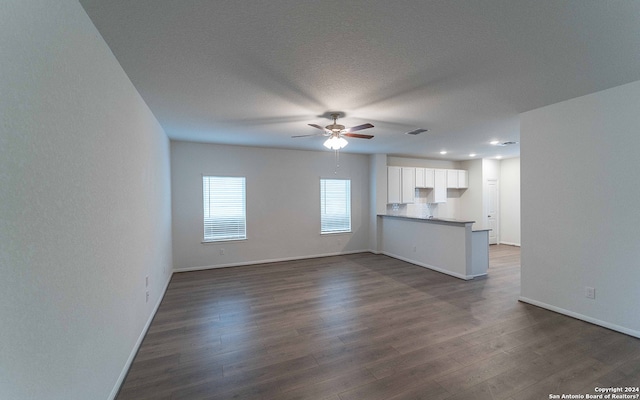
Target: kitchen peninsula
<point x="445" y="245"/>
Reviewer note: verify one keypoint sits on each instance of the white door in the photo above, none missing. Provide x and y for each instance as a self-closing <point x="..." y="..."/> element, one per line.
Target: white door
<point x="492" y="210"/>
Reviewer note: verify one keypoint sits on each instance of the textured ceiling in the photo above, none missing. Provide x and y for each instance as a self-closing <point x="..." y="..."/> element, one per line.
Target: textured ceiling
<point x="257" y="72"/>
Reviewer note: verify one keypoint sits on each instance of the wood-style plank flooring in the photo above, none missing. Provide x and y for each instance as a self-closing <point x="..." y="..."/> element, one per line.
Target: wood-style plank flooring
<point x="369" y="327"/>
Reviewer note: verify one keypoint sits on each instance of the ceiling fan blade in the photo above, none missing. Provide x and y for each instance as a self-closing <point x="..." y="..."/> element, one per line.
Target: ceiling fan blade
<point x="359" y="127"/>
<point x="318" y="127"/>
<point x="313" y="134"/>
<point x="357" y="135"/>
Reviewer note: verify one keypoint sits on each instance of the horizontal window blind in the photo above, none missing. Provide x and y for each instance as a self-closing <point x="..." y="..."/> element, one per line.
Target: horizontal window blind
<point x="224" y="208"/>
<point x="335" y="205"/>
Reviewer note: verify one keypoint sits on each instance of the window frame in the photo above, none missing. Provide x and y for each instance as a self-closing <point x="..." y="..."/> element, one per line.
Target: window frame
<point x="323" y="205"/>
<point x="229" y="237"/>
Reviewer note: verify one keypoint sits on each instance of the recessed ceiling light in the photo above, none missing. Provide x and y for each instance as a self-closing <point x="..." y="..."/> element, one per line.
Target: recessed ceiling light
<point x="494" y="142"/>
<point x="472" y="155"/>
<point x="499" y="157"/>
<point x="443" y="152"/>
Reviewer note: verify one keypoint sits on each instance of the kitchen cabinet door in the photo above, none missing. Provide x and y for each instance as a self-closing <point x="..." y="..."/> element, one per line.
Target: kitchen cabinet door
<point x="439" y="192"/>
<point x="428" y="177"/>
<point x="463" y="179"/>
<point x="420" y="178"/>
<point x="452" y="178"/>
<point x="408" y="184"/>
<point x="394" y="183"/>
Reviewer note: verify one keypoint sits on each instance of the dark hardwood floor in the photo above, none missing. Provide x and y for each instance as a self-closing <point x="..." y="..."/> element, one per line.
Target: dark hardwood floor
<point x="369" y="327"/>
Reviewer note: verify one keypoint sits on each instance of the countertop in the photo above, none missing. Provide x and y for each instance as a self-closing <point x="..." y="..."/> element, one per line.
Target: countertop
<point x="444" y="221"/>
<point x="448" y="221"/>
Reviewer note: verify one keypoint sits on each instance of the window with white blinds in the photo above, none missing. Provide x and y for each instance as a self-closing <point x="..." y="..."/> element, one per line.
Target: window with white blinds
<point x="335" y="205"/>
<point x="224" y="208"/>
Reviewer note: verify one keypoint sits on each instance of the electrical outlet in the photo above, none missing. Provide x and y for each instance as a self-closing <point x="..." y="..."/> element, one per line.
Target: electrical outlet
<point x="414" y="249"/>
<point x="589" y="292"/>
<point x="147" y="297"/>
<point x="221" y="252"/>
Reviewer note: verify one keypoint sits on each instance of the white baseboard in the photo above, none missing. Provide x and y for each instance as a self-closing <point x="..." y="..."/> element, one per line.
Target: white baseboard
<point x="267" y="261"/>
<point x="437" y="269"/>
<point x="605" y="324"/>
<point x="134" y="351"/>
<point x="511" y="244"/>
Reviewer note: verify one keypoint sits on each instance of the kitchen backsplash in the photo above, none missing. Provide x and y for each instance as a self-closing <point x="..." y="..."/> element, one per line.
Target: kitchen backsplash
<point x="423" y="209"/>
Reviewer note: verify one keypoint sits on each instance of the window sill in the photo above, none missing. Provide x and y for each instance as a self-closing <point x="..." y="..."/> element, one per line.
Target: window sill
<point x="223" y="241"/>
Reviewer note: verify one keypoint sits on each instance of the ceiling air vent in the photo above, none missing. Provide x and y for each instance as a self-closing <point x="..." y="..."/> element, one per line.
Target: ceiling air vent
<point x="416" y="131"/>
<point x="506" y="143"/>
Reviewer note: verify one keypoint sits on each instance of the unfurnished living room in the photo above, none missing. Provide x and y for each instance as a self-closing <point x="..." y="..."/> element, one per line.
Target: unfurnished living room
<point x="330" y="200"/>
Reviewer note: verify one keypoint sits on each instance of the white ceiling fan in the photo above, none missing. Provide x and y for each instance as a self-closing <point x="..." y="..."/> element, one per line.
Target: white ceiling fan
<point x="337" y="132"/>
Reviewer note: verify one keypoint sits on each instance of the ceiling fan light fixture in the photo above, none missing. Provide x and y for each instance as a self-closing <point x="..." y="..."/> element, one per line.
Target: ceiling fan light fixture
<point x="335" y="143"/>
<point x="335" y="132"/>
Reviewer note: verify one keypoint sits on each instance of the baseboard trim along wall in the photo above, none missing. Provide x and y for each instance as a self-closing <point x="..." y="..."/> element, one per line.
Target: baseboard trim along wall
<point x="442" y="271"/>
<point x="136" y="347"/>
<point x="582" y="317"/>
<point x="510" y="244"/>
<point x="267" y="261"/>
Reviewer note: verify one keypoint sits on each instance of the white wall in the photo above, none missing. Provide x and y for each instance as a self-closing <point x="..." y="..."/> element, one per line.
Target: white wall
<point x="378" y="195"/>
<point x="283" y="203"/>
<point x="421" y="162"/>
<point x="441" y="247"/>
<point x="490" y="169"/>
<point x="84" y="207"/>
<point x="510" y="201"/>
<point x="580" y="219"/>
<point x="471" y="200"/>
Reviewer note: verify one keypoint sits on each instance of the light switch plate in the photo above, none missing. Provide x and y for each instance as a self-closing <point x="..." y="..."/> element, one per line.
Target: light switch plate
<point x="589" y="292"/>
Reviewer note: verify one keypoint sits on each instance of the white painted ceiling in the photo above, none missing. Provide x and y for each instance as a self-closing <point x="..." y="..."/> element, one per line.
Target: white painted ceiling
<point x="257" y="72"/>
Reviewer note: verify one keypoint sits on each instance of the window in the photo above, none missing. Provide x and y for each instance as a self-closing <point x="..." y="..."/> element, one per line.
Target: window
<point x="335" y="205"/>
<point x="224" y="208"/>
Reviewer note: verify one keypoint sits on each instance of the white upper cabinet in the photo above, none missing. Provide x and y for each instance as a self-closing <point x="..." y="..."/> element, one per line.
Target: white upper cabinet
<point x="463" y="179"/>
<point x="403" y="181"/>
<point x="439" y="192"/>
<point x="420" y="177"/>
<point x="424" y="177"/>
<point x="394" y="183"/>
<point x="452" y="178"/>
<point x="457" y="179"/>
<point x="408" y="184"/>
<point x="429" y="177"/>
<point x="401" y="185"/>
